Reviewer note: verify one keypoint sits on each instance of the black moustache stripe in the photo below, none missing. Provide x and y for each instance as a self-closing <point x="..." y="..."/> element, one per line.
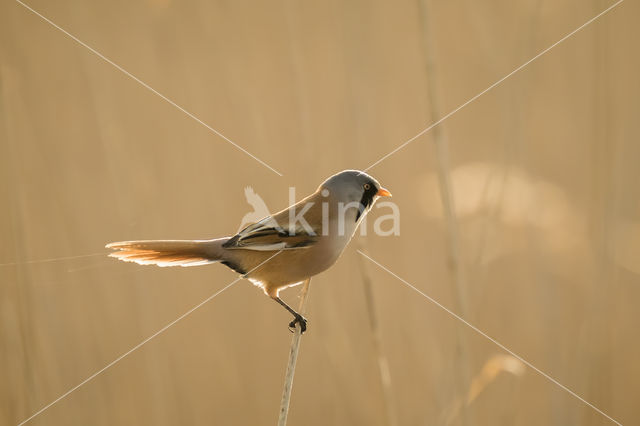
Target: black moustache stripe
<point x="366" y="200"/>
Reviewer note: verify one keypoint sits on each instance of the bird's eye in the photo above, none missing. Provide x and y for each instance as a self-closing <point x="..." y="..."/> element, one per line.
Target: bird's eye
<point x="367" y="187"/>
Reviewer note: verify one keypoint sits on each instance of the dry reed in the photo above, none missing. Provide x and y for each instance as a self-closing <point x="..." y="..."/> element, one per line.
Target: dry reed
<point x="293" y="358"/>
<point x="446" y="193"/>
<point x="381" y="357"/>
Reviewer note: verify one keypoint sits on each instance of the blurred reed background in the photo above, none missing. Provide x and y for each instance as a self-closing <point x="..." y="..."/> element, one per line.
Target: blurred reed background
<point x="543" y="174"/>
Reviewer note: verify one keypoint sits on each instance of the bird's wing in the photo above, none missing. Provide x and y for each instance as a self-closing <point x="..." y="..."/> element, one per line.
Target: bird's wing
<point x="267" y="235"/>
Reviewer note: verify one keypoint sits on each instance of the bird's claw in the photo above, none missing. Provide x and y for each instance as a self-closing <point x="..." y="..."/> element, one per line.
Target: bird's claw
<point x="298" y="319"/>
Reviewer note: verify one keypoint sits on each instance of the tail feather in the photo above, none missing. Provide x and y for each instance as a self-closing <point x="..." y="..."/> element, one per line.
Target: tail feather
<point x="168" y="252"/>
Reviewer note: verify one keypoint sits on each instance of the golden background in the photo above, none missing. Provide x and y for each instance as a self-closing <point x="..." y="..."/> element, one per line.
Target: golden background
<point x="543" y="171"/>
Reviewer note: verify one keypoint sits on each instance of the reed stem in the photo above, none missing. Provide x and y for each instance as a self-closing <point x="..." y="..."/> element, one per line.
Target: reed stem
<point x="293" y="358"/>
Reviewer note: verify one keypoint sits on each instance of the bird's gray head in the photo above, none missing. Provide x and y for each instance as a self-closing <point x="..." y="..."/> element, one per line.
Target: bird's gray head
<point x="353" y="186"/>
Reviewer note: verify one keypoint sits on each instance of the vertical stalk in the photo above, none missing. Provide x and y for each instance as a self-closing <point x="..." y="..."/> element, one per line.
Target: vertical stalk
<point x="448" y="204"/>
<point x="597" y="341"/>
<point x="293" y="358"/>
<point x="383" y="363"/>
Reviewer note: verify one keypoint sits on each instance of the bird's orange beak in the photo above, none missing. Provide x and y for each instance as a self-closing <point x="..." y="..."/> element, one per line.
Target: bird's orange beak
<point x="383" y="193"/>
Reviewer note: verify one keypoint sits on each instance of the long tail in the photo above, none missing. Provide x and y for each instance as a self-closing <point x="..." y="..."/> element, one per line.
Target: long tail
<point x="169" y="252"/>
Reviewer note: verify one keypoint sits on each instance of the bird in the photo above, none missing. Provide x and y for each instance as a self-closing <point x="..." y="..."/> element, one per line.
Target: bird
<point x="281" y="250"/>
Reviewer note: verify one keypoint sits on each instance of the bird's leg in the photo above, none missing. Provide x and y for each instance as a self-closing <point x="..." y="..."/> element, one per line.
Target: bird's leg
<point x="297" y="318"/>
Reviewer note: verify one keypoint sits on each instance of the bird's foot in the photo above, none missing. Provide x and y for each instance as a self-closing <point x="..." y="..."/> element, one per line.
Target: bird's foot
<point x="298" y="319"/>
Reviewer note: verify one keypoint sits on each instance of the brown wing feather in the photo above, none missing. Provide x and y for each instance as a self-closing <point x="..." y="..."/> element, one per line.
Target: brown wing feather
<point x="274" y="232"/>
